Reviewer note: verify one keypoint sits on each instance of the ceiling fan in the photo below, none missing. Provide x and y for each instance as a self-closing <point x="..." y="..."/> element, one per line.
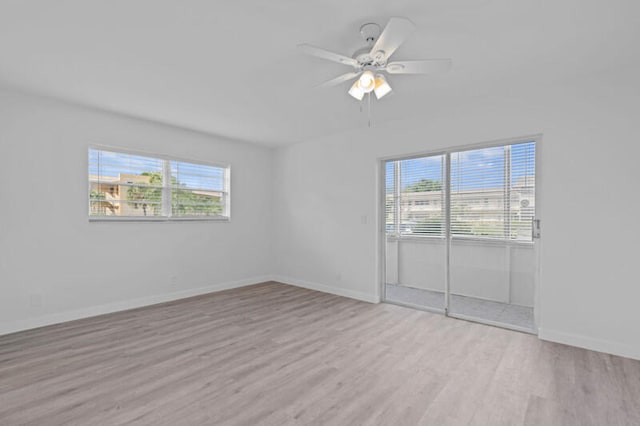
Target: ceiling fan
<point x="371" y="61"/>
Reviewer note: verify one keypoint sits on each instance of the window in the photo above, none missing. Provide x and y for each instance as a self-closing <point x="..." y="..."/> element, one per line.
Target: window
<point x="488" y="187"/>
<point x="413" y="190"/>
<point x="492" y="193"/>
<point x="131" y="186"/>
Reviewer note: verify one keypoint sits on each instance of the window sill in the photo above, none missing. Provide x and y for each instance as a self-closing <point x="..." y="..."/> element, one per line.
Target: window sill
<point x="159" y="219"/>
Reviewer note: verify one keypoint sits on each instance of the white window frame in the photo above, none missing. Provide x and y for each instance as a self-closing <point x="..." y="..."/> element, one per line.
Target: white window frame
<point x="166" y="189"/>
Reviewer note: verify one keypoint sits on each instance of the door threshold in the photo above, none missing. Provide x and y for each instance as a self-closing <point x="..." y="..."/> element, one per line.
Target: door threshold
<point x="493" y="323"/>
<point x="417" y="307"/>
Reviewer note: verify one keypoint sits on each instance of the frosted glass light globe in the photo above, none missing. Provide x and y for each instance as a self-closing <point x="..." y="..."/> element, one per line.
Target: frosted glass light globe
<point x="367" y="81"/>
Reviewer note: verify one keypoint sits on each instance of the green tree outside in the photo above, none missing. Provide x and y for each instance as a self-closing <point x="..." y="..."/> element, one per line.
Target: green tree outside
<point x="424" y="185"/>
<point x="184" y="202"/>
<point x="147" y="197"/>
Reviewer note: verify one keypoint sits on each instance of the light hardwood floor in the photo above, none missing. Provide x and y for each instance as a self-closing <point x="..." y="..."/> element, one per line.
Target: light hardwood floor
<point x="275" y="354"/>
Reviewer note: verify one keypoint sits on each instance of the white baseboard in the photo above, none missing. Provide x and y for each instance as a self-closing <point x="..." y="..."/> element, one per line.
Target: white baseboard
<point x="606" y="346"/>
<point x="26" y="324"/>
<point x="365" y="297"/>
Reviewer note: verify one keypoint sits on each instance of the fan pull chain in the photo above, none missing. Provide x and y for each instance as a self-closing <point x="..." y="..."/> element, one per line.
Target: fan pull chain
<point x="369" y="101"/>
<point x="368" y="95"/>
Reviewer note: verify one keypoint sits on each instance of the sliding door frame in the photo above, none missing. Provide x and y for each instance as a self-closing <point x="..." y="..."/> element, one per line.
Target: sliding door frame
<point x="382" y="237"/>
<point x="382" y="230"/>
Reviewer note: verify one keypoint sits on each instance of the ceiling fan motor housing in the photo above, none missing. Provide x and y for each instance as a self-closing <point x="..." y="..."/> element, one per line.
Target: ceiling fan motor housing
<point x="365" y="59"/>
<point x="363" y="56"/>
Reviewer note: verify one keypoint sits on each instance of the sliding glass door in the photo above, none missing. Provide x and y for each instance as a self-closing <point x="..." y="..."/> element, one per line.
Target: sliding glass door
<point x="492" y="258"/>
<point x="415" y="208"/>
<point x="459" y="233"/>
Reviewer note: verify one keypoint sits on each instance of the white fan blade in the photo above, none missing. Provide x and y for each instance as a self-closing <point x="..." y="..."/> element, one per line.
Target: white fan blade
<point x="428" y="66"/>
<point x="393" y="35"/>
<point x="325" y="54"/>
<point x="340" y="79"/>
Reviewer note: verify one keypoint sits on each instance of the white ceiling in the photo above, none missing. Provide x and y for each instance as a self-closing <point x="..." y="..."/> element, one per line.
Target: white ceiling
<point x="231" y="68"/>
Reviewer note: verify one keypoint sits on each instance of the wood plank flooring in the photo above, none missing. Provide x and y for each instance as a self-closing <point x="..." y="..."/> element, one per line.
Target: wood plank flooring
<point x="273" y="354"/>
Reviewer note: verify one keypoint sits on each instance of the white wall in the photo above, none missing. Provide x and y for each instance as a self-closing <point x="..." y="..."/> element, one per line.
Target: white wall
<point x="589" y="289"/>
<point x="50" y="251"/>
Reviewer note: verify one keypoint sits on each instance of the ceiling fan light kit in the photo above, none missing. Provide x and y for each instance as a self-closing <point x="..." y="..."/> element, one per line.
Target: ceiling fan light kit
<point x="368" y="83"/>
<point x="371" y="61"/>
<point x="382" y="87"/>
<point x="356" y="91"/>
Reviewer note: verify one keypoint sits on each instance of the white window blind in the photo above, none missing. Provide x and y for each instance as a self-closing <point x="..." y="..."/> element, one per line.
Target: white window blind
<point x="522" y="189"/>
<point x="414" y="196"/>
<point x="493" y="192"/>
<point x="124" y="185"/>
<point x="197" y="190"/>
